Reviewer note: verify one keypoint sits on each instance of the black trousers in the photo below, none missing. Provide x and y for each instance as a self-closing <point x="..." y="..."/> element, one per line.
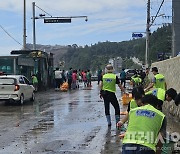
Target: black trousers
<point x="57" y="83"/>
<point x="123" y="81"/>
<point x="110" y="97"/>
<point x="69" y="83"/>
<point x="136" y="149"/>
<point x="99" y="79"/>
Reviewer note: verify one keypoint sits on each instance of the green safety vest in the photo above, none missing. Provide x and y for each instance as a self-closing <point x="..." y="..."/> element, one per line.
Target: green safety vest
<point x="158" y="92"/>
<point x="144" y="125"/>
<point x="133" y="104"/>
<point x="35" y="80"/>
<point x="137" y="80"/>
<point x="109" y="82"/>
<point x="160" y="81"/>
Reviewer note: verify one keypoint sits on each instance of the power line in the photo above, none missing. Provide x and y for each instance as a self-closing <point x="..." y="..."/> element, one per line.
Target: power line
<point x="10" y="35"/>
<point x="157" y="13"/>
<point x="43" y="10"/>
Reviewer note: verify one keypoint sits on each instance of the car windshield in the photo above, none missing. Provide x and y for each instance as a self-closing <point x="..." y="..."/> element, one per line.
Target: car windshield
<point x="131" y="71"/>
<point x="7" y="81"/>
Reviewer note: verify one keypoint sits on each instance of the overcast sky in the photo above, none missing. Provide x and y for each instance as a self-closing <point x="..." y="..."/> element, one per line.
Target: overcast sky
<point x="108" y="20"/>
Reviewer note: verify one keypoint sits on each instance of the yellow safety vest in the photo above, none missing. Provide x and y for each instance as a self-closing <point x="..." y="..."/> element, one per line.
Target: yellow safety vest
<point x="144" y="125"/>
<point x="133" y="104"/>
<point x="136" y="80"/>
<point x="158" y="92"/>
<point x="109" y="82"/>
<point x="160" y="81"/>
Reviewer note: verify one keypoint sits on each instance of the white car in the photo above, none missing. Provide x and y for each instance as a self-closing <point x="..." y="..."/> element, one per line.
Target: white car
<point x="16" y="88"/>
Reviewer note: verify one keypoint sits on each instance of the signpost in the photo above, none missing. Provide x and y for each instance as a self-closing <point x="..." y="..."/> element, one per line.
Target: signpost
<point x="50" y="19"/>
<point x="57" y="20"/>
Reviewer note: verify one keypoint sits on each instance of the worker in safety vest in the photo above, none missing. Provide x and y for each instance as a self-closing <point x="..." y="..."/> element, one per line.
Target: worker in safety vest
<point x="137" y="94"/>
<point x="107" y="92"/>
<point x="163" y="95"/>
<point x="158" y="81"/>
<point x="136" y="80"/>
<point x="35" y="82"/>
<point x="145" y="123"/>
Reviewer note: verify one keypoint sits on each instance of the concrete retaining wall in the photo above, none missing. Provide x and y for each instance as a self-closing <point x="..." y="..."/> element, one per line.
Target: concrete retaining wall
<point x="171" y="70"/>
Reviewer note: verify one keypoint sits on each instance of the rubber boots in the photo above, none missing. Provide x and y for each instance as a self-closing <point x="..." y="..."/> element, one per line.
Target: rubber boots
<point x="108" y="117"/>
<point x="117" y="117"/>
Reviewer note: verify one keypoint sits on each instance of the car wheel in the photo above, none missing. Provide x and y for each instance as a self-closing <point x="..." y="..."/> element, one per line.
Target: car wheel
<point x="21" y="101"/>
<point x="33" y="97"/>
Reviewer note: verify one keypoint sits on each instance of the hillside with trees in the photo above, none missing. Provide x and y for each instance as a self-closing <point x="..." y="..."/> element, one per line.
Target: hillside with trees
<point x="97" y="55"/>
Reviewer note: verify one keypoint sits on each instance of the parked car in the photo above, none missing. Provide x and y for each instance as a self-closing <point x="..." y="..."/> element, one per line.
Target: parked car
<point x="16" y="88"/>
<point x="130" y="73"/>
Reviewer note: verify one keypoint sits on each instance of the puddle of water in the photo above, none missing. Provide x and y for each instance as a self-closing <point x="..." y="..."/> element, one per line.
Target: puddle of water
<point x="112" y="142"/>
<point x="43" y="125"/>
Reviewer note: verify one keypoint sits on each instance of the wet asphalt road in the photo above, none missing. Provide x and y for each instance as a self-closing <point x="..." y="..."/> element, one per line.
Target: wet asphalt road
<point x="59" y="122"/>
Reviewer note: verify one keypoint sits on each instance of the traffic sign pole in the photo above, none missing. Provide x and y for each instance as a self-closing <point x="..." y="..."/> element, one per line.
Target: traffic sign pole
<point x="34" y="25"/>
<point x="50" y="19"/>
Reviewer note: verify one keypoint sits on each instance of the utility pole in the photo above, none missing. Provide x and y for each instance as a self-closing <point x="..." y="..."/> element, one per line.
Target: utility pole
<point x="175" y="28"/>
<point x="147" y="33"/>
<point x="34" y="32"/>
<point x="24" y="29"/>
<point x="173" y="32"/>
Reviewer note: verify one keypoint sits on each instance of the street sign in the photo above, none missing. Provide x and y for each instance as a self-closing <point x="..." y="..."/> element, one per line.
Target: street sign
<point x="137" y="35"/>
<point x="57" y="20"/>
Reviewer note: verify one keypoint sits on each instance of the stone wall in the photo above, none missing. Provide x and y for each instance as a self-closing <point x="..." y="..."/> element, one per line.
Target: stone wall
<point x="171" y="70"/>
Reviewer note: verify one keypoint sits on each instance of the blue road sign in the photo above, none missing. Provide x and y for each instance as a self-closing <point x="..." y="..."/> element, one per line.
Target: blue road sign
<point x="137" y="35"/>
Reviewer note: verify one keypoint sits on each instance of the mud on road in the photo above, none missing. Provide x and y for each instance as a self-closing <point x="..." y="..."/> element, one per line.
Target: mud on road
<point x="58" y="122"/>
